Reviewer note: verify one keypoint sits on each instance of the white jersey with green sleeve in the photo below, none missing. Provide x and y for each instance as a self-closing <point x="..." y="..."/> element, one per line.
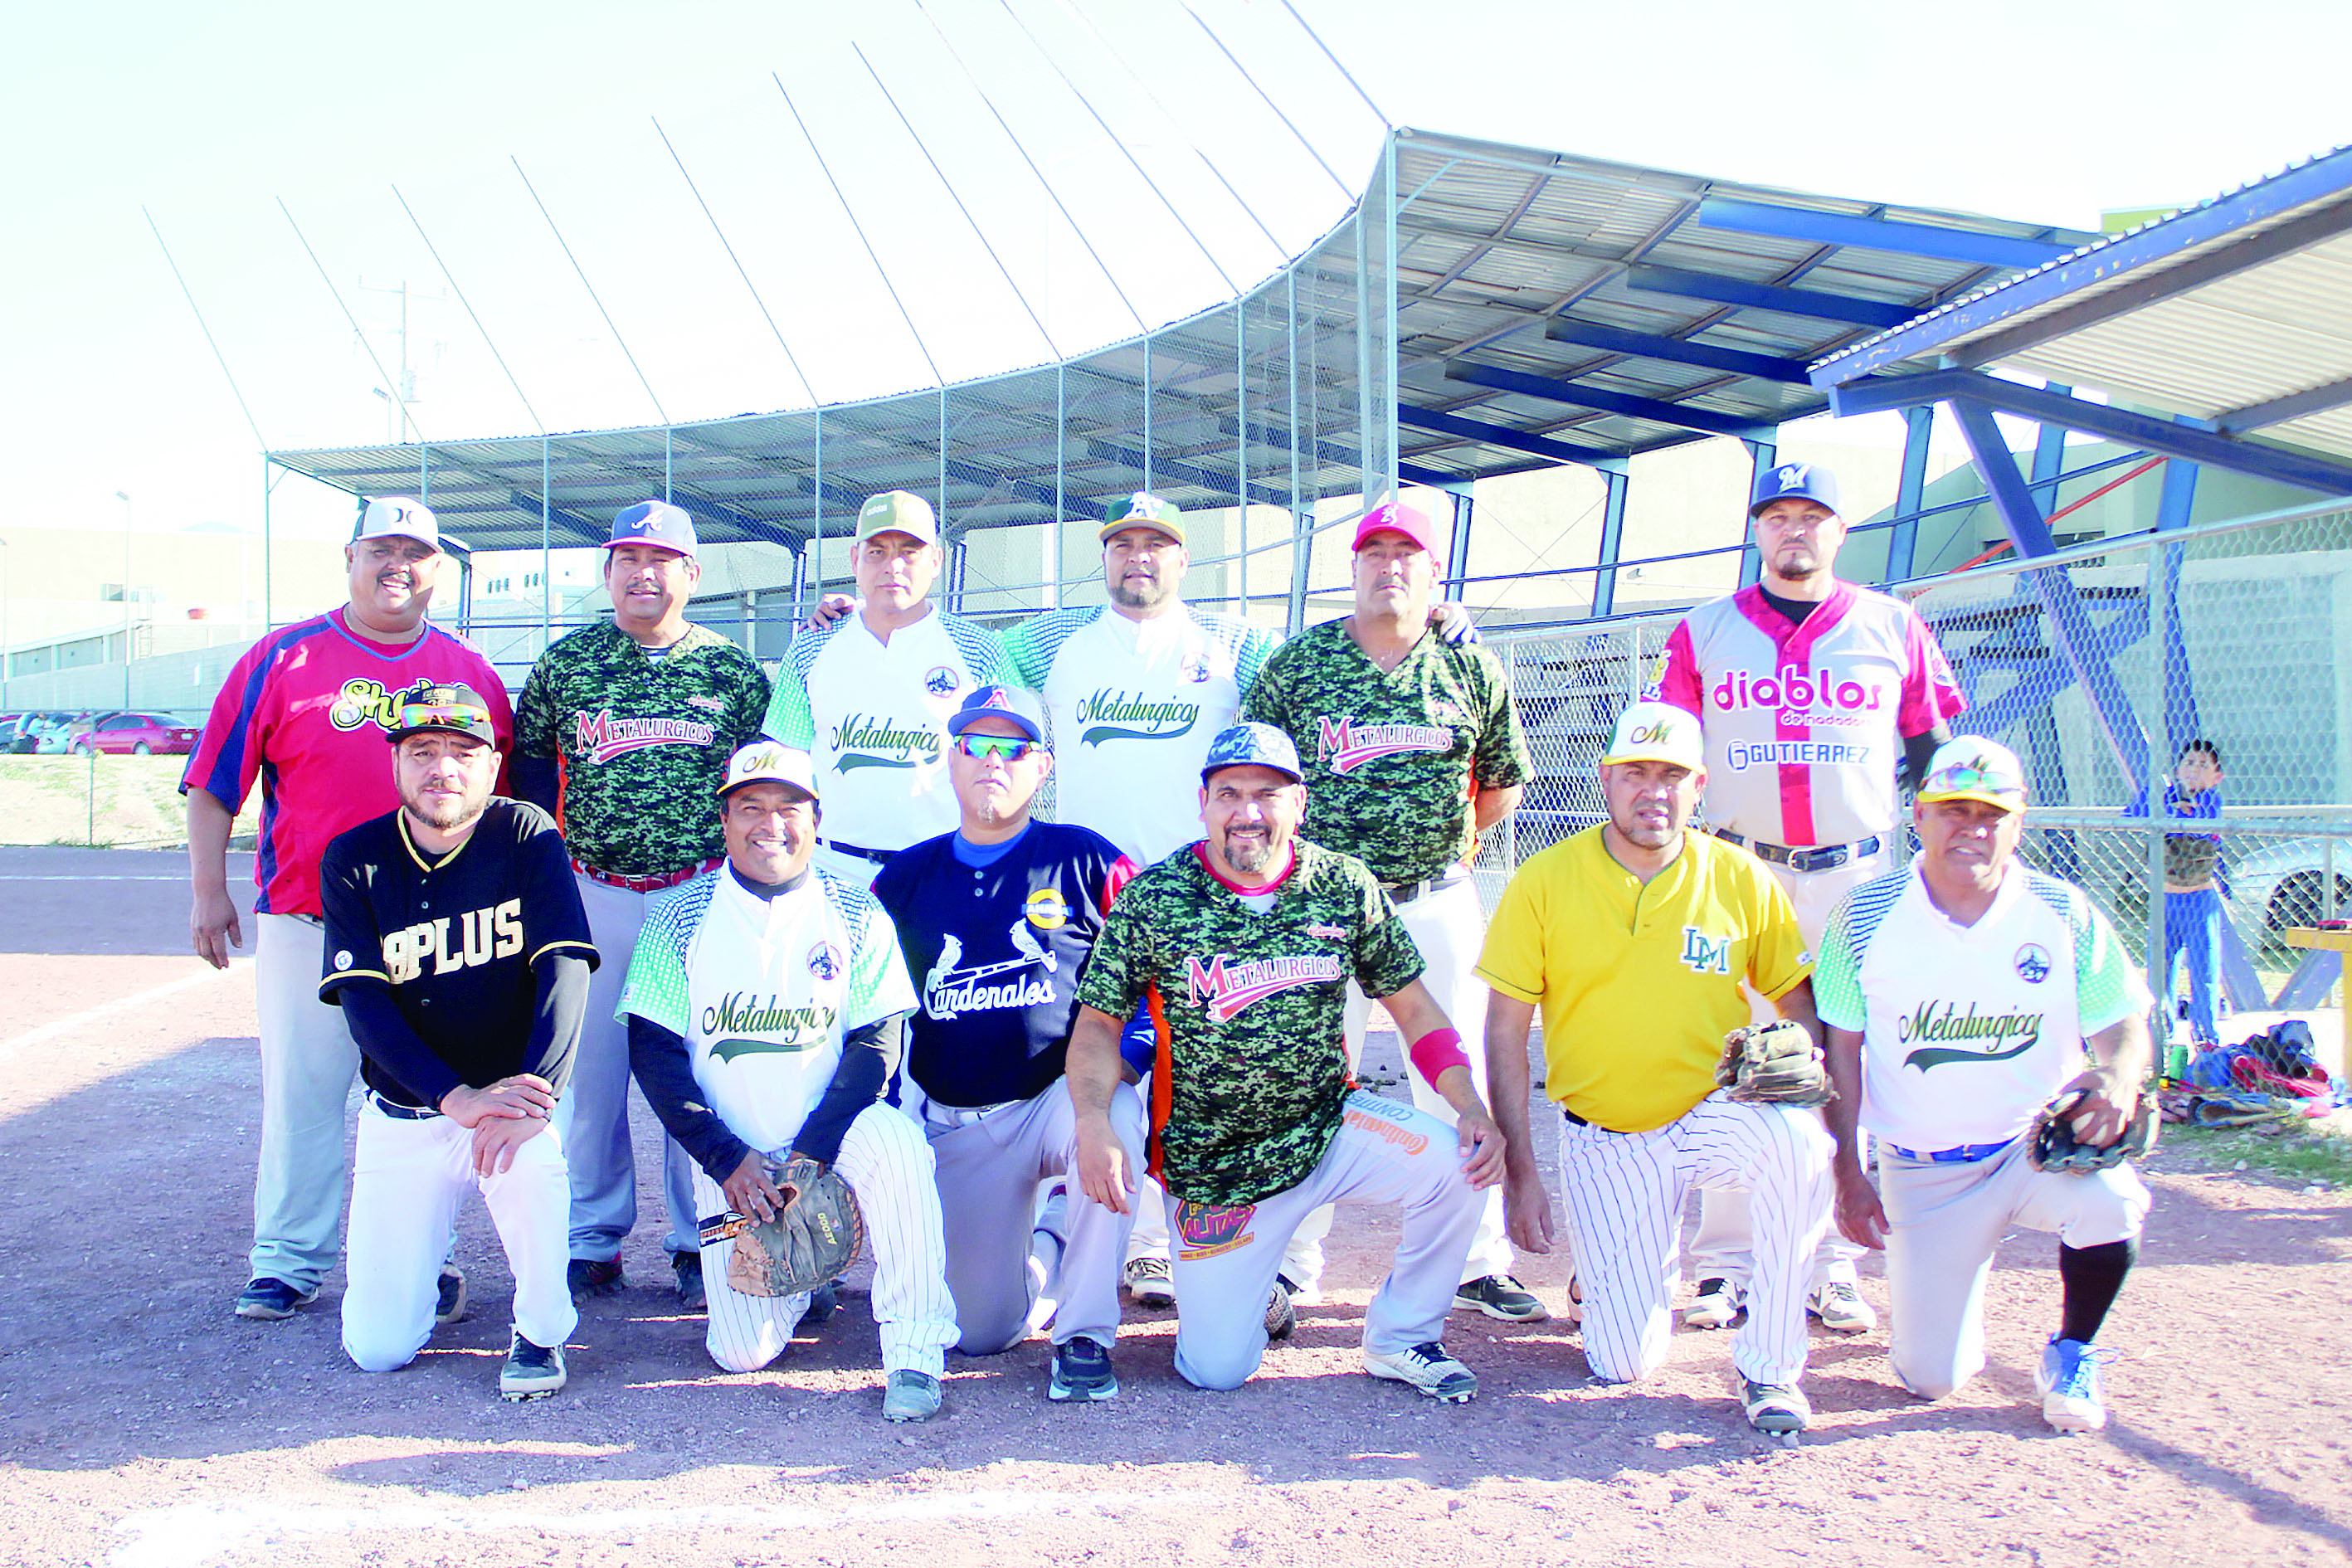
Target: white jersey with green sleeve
<point x="764" y="990"/>
<point x="1134" y="705"/>
<point x="1969" y="1030"/>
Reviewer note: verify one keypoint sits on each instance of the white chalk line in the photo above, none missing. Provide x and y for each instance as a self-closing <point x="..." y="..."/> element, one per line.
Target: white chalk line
<point x="74" y="1021"/>
<point x="189" y="1535"/>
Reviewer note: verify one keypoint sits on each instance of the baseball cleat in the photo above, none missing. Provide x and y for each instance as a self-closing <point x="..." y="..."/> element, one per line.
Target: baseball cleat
<point x="1500" y="1296"/>
<point x="2068" y="1382"/>
<point x="1775" y="1409"/>
<point x="268" y="1301"/>
<point x="449" y="1296"/>
<point x="1716" y="1303"/>
<point x="822" y="1302"/>
<point x="593" y="1277"/>
<point x="1082" y="1371"/>
<point x="910" y="1396"/>
<point x="1428" y="1368"/>
<point x="1281" y="1318"/>
<point x="1150" y="1282"/>
<point x="533" y="1371"/>
<point x="688" y="1267"/>
<point x="1840" y="1306"/>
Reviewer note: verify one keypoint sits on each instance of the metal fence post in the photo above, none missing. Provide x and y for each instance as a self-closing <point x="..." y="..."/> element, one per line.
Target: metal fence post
<point x="90" y="832"/>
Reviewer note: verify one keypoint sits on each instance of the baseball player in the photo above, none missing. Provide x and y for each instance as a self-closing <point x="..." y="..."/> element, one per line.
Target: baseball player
<point x="869" y="695"/>
<point x="305" y="711"/>
<point x="1960" y="994"/>
<point x="999" y="918"/>
<point x="765" y="1002"/>
<point x="1413" y="750"/>
<point x="459" y="954"/>
<point x="1244" y="944"/>
<point x="2192" y="891"/>
<point x="1814" y="696"/>
<point x="625" y="728"/>
<point x="1634" y="937"/>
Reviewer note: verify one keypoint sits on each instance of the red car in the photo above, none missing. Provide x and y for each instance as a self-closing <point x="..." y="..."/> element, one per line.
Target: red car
<point x="141" y="734"/>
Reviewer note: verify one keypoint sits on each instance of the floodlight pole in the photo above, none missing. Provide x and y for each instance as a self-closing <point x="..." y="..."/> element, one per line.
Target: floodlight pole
<point x="124" y="497"/>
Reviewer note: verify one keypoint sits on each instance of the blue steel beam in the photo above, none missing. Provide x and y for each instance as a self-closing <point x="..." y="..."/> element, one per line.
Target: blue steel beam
<point x="2049" y="459"/>
<point x="1508" y="439"/>
<point x="2162" y="436"/>
<point x="2279" y="410"/>
<point x="1878" y="234"/>
<point x="2174" y="505"/>
<point x="1613" y="534"/>
<point x="1808" y="302"/>
<point x="1763" y="453"/>
<point x="1579" y="397"/>
<point x="1676" y="351"/>
<point x="1910" y="491"/>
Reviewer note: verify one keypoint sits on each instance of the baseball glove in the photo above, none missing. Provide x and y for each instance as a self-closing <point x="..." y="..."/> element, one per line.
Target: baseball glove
<point x="1774" y="1064"/>
<point x="816" y="1235"/>
<point x="2050" y="1143"/>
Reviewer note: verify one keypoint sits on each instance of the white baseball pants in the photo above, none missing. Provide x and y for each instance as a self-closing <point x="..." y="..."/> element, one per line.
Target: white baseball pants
<point x="308" y="1062"/>
<point x="889" y="1165"/>
<point x="1625" y="1192"/>
<point x="409" y="1180"/>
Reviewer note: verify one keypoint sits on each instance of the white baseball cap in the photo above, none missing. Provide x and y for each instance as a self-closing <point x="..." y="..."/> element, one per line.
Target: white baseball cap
<point x="770" y="762"/>
<point x="1656" y="732"/>
<point x="399" y="516"/>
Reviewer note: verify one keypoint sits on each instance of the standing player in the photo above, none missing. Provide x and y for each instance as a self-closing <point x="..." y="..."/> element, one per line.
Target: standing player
<point x="999" y="919"/>
<point x="305" y="711"/>
<point x="1245" y="945"/>
<point x="869" y="695"/>
<point x="765" y="1002"/>
<point x="458" y="1093"/>
<point x="1413" y="751"/>
<point x="1814" y="696"/>
<point x="2193" y="892"/>
<point x="1960" y="994"/>
<point x="1635" y="937"/>
<point x="625" y="728"/>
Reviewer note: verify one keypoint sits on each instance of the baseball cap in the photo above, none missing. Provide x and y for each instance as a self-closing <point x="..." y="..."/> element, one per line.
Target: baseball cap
<point x="399" y="516"/>
<point x="655" y="522"/>
<point x="457" y="710"/>
<point x="1794" y="481"/>
<point x="1252" y="746"/>
<point x="1968" y="767"/>
<point x="1403" y="519"/>
<point x="1000" y="702"/>
<point x="898" y="511"/>
<point x="1656" y="732"/>
<point x="1152" y="511"/>
<point x="770" y="762"/>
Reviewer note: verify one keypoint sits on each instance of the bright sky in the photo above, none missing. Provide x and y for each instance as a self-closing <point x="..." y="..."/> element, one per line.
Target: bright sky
<point x="209" y="115"/>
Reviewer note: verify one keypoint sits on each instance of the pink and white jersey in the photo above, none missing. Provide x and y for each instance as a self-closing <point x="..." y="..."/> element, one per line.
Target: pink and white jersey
<point x="1804" y="723"/>
<point x="308" y="710"/>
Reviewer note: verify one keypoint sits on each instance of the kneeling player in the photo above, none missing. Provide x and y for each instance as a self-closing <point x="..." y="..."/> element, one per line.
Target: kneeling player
<point x="1245" y="943"/>
<point x="459" y="950"/>
<point x="1959" y="994"/>
<point x="765" y="1002"/>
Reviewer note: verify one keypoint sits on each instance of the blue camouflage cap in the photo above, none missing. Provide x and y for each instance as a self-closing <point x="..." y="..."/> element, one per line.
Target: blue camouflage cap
<point x="1253" y="746"/>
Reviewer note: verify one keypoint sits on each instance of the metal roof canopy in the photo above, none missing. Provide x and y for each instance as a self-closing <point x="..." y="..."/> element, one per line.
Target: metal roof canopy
<point x="1549" y="309"/>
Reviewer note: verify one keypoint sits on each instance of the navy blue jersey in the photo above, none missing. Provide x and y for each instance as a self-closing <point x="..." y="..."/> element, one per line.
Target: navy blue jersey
<point x="461" y="945"/>
<point x="996" y="953"/>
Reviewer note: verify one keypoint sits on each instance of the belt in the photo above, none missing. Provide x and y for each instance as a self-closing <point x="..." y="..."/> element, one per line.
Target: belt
<point x="879" y="857"/>
<point x="1820" y="857"/>
<point x="400" y="1113"/>
<point x="1576" y="1120"/>
<point x="1405" y="892"/>
<point x="646" y="884"/>
<point x="1958" y="1155"/>
<point x="962" y="1115"/>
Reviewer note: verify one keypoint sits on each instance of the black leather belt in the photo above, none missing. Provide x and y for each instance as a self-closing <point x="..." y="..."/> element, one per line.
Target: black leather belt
<point x="400" y="1113"/>
<point x="879" y="857"/>
<point x="1820" y="857"/>
<point x="1576" y="1120"/>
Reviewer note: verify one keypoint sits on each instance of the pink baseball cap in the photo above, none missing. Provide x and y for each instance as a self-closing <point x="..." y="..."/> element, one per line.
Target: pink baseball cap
<point x="1398" y="519"/>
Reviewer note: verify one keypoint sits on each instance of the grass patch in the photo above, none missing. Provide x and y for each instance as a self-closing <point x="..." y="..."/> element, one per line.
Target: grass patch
<point x="119" y="803"/>
<point x="2306" y="1153"/>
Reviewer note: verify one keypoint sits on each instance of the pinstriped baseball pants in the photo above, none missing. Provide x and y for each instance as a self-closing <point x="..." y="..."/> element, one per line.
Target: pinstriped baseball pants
<point x="1625" y="1192"/>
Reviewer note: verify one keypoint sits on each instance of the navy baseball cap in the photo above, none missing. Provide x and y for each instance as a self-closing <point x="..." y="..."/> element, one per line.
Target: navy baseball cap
<point x="1795" y="481"/>
<point x="1007" y="702"/>
<point x="1253" y="746"/>
<point x="655" y="522"/>
<point x="457" y="710"/>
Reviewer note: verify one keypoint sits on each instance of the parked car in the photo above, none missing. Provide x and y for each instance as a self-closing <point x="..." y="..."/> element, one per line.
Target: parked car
<point x="45" y="734"/>
<point x="136" y="735"/>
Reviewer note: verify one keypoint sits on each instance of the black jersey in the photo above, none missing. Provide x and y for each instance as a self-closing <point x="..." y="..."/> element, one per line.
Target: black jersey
<point x="454" y="940"/>
<point x="995" y="952"/>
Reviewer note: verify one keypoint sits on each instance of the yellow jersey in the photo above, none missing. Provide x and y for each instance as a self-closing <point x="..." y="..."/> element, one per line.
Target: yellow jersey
<point x="1640" y="982"/>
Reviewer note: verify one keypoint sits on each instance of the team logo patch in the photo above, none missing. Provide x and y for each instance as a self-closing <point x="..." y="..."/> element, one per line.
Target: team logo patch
<point x="2033" y="964"/>
<point x="709" y="704"/>
<point x="941" y="682"/>
<point x="1045" y="910"/>
<point x="1208" y="1229"/>
<point x="1196" y="668"/>
<point x="824" y="961"/>
<point x="1706" y="954"/>
<point x="1328" y="932"/>
<point x="342" y="958"/>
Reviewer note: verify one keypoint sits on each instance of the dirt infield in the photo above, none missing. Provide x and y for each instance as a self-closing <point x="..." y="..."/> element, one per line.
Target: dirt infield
<point x="147" y="1426"/>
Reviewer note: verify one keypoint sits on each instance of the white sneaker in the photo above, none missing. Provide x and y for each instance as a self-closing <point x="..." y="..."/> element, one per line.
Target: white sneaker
<point x="2068" y="1382"/>
<point x="1840" y="1306"/>
<point x="1775" y="1409"/>
<point x="1716" y="1303"/>
<point x="1428" y="1368"/>
<point x="1150" y="1282"/>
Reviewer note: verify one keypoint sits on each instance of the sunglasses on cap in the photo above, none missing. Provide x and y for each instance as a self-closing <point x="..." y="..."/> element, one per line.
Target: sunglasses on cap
<point x="1009" y="747"/>
<point x="1954" y="780"/>
<point x="421" y="715"/>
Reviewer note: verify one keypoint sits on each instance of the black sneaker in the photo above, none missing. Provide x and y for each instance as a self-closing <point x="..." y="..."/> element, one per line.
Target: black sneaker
<point x="1082" y="1371"/>
<point x="268" y="1301"/>
<point x="533" y="1371"/>
<point x="593" y="1277"/>
<point x="1500" y="1296"/>
<point x="822" y="1301"/>
<point x="1281" y="1317"/>
<point x="690" y="1296"/>
<point x="449" y="1296"/>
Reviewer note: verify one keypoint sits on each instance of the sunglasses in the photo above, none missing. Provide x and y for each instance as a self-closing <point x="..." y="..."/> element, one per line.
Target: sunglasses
<point x="1951" y="779"/>
<point x="1001" y="746"/>
<point x="416" y="715"/>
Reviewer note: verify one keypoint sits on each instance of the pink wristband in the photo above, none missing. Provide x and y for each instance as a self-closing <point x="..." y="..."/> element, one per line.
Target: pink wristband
<point x="1437" y="1050"/>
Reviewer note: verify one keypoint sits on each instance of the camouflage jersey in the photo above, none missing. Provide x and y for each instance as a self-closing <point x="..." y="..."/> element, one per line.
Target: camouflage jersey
<point x="1389" y="758"/>
<point x="642" y="743"/>
<point x="1251" y="1007"/>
